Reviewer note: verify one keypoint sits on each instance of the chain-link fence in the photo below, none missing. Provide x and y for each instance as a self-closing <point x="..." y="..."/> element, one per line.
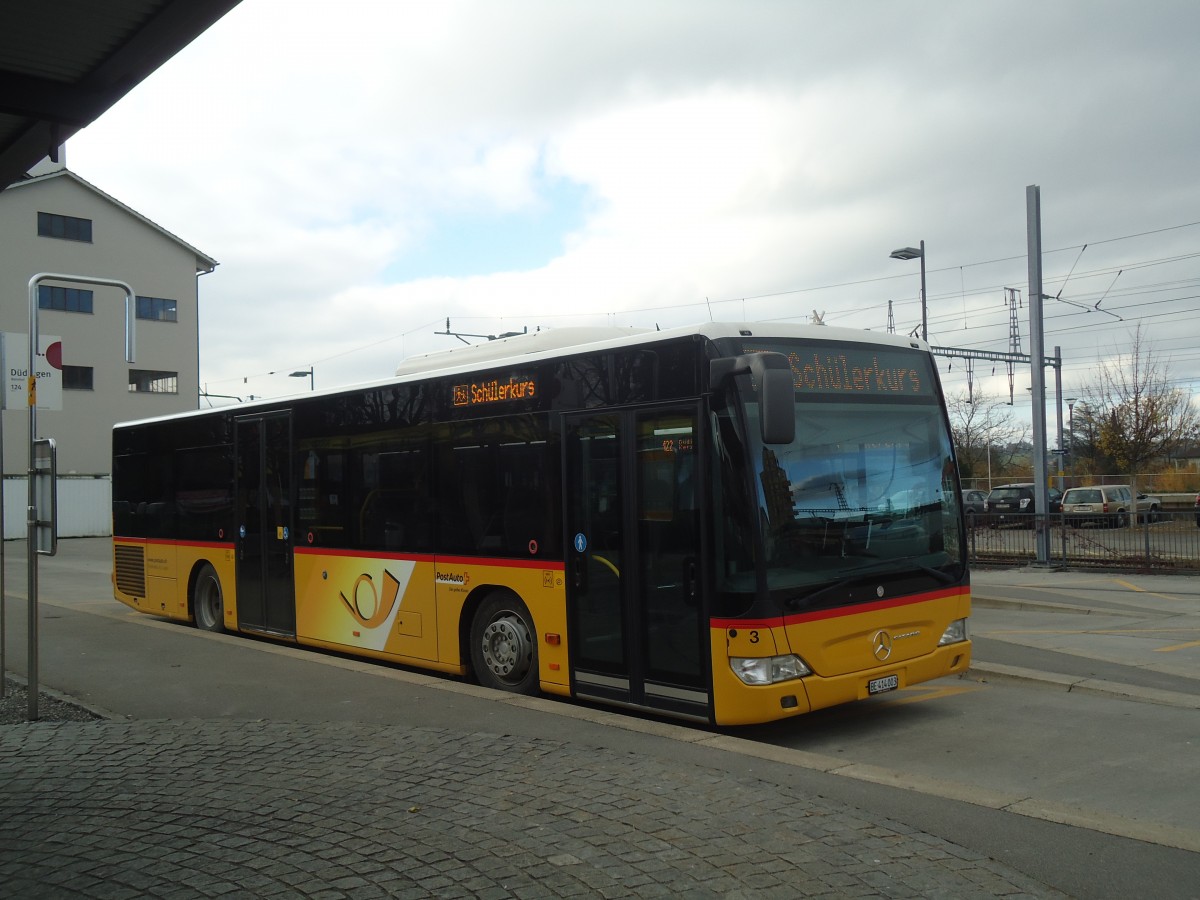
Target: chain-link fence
<point x="1164" y="540"/>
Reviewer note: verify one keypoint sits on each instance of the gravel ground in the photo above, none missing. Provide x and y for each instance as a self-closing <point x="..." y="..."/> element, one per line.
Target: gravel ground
<point x="14" y="707"/>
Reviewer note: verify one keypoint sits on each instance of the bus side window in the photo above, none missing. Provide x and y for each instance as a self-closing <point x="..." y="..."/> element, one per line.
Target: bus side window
<point x="523" y="468"/>
<point x="129" y="495"/>
<point x="397" y="512"/>
<point x="455" y="454"/>
<point x="204" y="491"/>
<point x="497" y="489"/>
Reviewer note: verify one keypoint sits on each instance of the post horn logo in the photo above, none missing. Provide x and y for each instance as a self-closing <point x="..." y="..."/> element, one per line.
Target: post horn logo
<point x="372" y="606"/>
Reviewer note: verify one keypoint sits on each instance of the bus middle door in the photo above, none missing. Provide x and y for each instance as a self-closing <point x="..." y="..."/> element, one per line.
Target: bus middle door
<point x="633" y="551"/>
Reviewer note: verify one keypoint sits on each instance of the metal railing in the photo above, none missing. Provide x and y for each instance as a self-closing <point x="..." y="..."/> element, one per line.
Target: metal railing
<point x="1163" y="541"/>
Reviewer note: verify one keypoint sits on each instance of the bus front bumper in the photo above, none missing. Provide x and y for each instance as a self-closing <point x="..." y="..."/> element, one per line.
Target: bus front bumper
<point x="736" y="703"/>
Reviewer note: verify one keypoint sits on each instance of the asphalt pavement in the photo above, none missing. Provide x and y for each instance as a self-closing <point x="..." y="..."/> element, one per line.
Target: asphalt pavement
<point x="1121" y="634"/>
<point x="224" y="766"/>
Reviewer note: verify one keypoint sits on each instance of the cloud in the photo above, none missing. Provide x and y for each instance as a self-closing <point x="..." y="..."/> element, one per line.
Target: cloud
<point x="364" y="170"/>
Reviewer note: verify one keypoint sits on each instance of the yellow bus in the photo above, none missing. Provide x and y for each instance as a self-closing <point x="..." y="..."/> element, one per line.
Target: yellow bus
<point x="730" y="523"/>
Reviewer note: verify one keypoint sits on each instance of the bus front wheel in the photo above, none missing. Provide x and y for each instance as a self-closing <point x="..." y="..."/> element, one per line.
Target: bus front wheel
<point x="504" y="645"/>
<point x="208" y="601"/>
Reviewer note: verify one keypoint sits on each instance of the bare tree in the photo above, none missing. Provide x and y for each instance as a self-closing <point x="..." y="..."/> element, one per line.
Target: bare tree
<point x="1140" y="416"/>
<point x="1086" y="455"/>
<point x="984" y="430"/>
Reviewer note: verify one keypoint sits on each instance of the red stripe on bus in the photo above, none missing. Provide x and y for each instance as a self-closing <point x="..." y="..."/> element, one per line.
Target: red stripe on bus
<point x="553" y="565"/>
<point x="361" y="554"/>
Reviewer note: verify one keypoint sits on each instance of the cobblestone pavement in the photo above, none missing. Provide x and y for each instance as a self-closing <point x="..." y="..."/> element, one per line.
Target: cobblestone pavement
<point x="217" y="808"/>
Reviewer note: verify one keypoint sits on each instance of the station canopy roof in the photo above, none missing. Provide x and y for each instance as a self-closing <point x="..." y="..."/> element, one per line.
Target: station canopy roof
<point x="64" y="62"/>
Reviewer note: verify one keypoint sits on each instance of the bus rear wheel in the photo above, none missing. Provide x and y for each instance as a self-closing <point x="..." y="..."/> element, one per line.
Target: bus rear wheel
<point x="504" y="645"/>
<point x="208" y="600"/>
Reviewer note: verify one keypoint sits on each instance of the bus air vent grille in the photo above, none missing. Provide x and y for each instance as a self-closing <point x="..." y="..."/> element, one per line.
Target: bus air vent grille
<point x="130" y="566"/>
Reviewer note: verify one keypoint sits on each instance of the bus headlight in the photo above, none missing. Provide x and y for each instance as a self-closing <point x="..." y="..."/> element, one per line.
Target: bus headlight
<point x="955" y="633"/>
<point x="768" y="669"/>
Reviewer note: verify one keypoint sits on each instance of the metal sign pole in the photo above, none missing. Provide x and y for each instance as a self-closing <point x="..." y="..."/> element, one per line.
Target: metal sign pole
<point x="31" y="508"/>
<point x="1041" y="494"/>
<point x="3" y="582"/>
<point x="31" y="518"/>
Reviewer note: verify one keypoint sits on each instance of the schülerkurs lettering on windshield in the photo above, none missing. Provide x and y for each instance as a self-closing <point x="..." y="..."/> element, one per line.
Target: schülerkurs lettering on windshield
<point x="833" y="373"/>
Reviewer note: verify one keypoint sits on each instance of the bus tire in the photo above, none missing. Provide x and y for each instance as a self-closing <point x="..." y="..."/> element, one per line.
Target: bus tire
<point x="504" y="645"/>
<point x="208" y="600"/>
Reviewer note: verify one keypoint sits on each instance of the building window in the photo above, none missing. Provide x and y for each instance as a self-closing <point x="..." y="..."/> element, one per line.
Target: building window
<point x="64" y="298"/>
<point x="68" y="228"/>
<point x="152" y="381"/>
<point x="157" y="309"/>
<point x="77" y="378"/>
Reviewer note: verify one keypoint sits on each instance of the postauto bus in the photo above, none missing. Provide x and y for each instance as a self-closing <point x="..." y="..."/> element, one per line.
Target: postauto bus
<point x="730" y="523"/>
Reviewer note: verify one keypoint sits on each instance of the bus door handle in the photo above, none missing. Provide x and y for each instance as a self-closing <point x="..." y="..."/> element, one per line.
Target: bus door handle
<point x="691" y="581"/>
<point x="579" y="571"/>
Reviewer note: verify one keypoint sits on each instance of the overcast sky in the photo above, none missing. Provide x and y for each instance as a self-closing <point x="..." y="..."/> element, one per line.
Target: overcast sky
<point x="364" y="170"/>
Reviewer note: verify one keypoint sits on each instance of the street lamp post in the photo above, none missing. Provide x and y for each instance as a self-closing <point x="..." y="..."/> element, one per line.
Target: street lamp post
<point x="306" y="373"/>
<point x="1070" y="451"/>
<point x="917" y="253"/>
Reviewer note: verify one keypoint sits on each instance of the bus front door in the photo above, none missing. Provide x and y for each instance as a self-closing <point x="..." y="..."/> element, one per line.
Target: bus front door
<point x="265" y="592"/>
<point x="633" y="560"/>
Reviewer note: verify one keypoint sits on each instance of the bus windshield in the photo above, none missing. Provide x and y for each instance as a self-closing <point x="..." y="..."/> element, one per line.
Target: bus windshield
<point x="867" y="489"/>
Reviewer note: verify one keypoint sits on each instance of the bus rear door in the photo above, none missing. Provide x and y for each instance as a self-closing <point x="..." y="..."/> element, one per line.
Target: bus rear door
<point x="266" y="599"/>
<point x="633" y="550"/>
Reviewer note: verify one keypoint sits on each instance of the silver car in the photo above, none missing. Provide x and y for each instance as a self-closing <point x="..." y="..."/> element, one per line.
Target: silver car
<point x="1114" y="505"/>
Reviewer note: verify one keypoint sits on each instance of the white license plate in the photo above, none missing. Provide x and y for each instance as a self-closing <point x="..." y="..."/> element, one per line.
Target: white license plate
<point x="879" y="685"/>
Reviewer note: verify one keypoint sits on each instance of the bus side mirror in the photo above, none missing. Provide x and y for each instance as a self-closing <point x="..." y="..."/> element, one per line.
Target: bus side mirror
<point x="773" y="388"/>
<point x="777" y="406"/>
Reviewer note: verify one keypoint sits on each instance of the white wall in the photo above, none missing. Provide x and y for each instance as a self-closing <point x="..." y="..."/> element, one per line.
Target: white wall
<point x="84" y="507"/>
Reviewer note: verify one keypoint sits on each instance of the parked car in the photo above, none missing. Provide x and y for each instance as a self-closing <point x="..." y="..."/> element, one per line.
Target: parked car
<point x="974" y="504"/>
<point x="1149" y="508"/>
<point x="1108" y="504"/>
<point x="1014" y="503"/>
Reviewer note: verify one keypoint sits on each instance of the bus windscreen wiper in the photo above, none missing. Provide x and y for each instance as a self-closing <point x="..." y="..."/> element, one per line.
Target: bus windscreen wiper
<point x="889" y="567"/>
